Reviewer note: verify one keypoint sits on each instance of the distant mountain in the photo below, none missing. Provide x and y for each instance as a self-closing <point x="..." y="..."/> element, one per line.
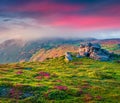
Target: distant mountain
<point x="10" y="49"/>
<point x="16" y="50"/>
<point x="110" y="41"/>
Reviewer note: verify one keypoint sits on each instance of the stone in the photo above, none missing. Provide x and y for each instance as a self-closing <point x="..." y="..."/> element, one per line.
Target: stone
<point x="68" y="56"/>
<point x="82" y="46"/>
<point x="94" y="51"/>
<point x="96" y="46"/>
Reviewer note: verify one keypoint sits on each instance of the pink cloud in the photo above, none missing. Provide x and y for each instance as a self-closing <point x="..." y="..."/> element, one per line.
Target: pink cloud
<point x="87" y="22"/>
<point x="46" y="7"/>
<point x="104" y="18"/>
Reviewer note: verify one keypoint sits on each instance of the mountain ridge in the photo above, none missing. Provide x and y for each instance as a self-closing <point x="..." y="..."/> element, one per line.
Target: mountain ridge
<point x="16" y="50"/>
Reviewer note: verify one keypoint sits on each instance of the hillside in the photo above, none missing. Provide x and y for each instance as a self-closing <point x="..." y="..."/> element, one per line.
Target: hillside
<point x="18" y="50"/>
<point x="53" y="53"/>
<point x="112" y="45"/>
<point x="15" y="50"/>
<point x="10" y="49"/>
<point x="55" y="81"/>
<point x="43" y="54"/>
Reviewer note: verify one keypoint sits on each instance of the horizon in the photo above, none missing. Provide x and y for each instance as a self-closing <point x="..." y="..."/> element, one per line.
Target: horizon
<point x="25" y="40"/>
<point x="35" y="19"/>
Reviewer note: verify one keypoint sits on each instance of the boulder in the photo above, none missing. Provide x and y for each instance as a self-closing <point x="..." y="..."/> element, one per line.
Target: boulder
<point x="94" y="51"/>
<point x="96" y="46"/>
<point x="68" y="56"/>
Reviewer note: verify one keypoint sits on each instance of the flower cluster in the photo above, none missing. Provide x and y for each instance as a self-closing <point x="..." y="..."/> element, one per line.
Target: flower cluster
<point x="19" y="72"/>
<point x="44" y="74"/>
<point x="38" y="77"/>
<point x="61" y="87"/>
<point x="14" y="93"/>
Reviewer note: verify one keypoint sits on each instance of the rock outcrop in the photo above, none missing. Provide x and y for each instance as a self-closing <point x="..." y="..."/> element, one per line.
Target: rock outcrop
<point x="94" y="51"/>
<point x="68" y="56"/>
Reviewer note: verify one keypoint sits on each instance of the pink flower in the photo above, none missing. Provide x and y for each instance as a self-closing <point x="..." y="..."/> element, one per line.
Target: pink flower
<point x="19" y="72"/>
<point x="14" y="93"/>
<point x="44" y="74"/>
<point x="38" y="77"/>
<point x="61" y="87"/>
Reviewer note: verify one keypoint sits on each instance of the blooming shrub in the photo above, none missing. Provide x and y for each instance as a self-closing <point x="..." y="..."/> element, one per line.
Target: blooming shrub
<point x="43" y="75"/>
<point x="38" y="77"/>
<point x="19" y="72"/>
<point x="61" y="87"/>
<point x="15" y="93"/>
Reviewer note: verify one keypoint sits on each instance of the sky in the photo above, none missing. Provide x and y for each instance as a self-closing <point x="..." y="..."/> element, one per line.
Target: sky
<point x="31" y="19"/>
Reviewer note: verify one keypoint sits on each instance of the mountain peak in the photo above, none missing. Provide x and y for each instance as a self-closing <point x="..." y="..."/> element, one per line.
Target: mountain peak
<point x="12" y="42"/>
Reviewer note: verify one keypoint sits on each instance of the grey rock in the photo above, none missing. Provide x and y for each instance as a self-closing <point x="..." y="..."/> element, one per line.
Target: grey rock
<point x="88" y="44"/>
<point x="68" y="56"/>
<point x="82" y="45"/>
<point x="94" y="51"/>
<point x="96" y="46"/>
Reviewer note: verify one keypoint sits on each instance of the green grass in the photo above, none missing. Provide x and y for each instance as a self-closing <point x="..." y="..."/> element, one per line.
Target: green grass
<point x="112" y="48"/>
<point x="56" y="81"/>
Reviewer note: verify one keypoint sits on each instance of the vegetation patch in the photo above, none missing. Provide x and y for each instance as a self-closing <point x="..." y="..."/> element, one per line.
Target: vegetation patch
<point x="55" y="81"/>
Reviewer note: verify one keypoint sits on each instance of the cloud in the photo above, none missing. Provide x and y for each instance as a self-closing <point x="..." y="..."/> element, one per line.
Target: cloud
<point x="54" y="18"/>
<point x="87" y="23"/>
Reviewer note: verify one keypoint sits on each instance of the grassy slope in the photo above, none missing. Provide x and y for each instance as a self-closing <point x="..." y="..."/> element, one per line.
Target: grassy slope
<point x="53" y="53"/>
<point x="80" y="81"/>
<point x="112" y="48"/>
<point x="43" y="54"/>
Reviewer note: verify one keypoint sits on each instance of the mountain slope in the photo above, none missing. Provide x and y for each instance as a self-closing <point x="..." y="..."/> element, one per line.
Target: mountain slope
<point x="112" y="45"/>
<point x="10" y="49"/>
<point x="53" y="53"/>
<point x="19" y="50"/>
